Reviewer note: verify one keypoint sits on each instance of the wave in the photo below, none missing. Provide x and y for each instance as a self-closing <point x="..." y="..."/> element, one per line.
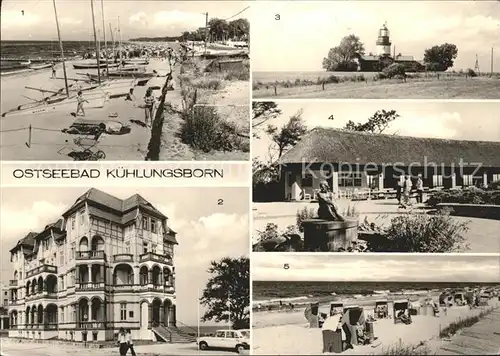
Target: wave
<point x="277" y="300"/>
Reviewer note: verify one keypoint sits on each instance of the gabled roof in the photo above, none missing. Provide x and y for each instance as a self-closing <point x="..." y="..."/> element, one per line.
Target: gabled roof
<point x="336" y="146"/>
<point x="27" y="241"/>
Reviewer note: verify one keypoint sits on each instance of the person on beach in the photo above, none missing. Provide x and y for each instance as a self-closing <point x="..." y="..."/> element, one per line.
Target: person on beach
<point x="122" y="342"/>
<point x="327" y="209"/>
<point x="53" y="70"/>
<point x="130" y="342"/>
<point x="149" y="105"/>
<point x="420" y="189"/>
<point x="80" y="100"/>
<point x="130" y="96"/>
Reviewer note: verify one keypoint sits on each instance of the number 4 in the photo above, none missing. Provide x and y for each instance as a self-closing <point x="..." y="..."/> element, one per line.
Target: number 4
<point x="331" y="117"/>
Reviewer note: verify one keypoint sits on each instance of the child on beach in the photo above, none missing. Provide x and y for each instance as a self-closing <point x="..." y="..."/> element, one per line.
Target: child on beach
<point x="53" y="70"/>
<point x="80" y="100"/>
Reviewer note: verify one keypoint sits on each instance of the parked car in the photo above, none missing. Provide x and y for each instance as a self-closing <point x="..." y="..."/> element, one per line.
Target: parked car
<point x="237" y="340"/>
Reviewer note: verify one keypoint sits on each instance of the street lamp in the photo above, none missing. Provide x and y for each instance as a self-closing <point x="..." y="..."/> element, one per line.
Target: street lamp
<point x="85" y="318"/>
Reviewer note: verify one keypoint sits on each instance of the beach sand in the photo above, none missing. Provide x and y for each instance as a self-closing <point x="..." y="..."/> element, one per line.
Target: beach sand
<point x="47" y="140"/>
<point x="287" y="333"/>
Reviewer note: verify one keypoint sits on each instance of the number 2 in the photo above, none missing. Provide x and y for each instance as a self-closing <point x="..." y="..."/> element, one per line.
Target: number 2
<point x="220" y="201"/>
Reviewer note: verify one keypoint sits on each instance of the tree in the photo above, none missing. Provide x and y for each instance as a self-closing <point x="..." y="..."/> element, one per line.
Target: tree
<point x="342" y="57"/>
<point x="377" y="123"/>
<point x="440" y="57"/>
<point x="239" y="29"/>
<point x="289" y="134"/>
<point x="218" y="29"/>
<point x="262" y="112"/>
<point x="227" y="294"/>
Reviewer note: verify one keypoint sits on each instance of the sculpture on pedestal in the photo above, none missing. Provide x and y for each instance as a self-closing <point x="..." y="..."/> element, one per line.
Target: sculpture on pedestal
<point x="327" y="209"/>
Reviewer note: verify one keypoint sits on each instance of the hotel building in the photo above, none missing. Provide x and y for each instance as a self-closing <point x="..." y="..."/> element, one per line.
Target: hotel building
<point x="106" y="263"/>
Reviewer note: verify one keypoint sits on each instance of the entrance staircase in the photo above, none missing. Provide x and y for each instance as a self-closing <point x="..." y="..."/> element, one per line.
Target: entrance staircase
<point x="173" y="335"/>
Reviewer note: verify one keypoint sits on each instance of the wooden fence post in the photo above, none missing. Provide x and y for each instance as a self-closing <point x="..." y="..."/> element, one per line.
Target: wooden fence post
<point x="275" y="90"/>
<point x="29" y="137"/>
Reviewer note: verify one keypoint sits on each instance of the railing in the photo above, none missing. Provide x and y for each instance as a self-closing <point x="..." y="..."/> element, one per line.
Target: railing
<point x="41" y="269"/>
<point x="13" y="282"/>
<point x="90" y="286"/>
<point x="123" y="286"/>
<point x="90" y="255"/>
<point x="50" y="326"/>
<point x="123" y="257"/>
<point x="150" y="256"/>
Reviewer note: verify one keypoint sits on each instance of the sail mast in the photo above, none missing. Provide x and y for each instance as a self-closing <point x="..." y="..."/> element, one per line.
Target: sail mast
<point x="62" y="50"/>
<point x="120" y="40"/>
<point x="105" y="43"/>
<point x="112" y="40"/>
<point x="98" y="57"/>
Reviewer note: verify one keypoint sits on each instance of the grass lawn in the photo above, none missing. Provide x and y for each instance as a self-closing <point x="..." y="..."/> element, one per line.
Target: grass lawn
<point x="453" y="88"/>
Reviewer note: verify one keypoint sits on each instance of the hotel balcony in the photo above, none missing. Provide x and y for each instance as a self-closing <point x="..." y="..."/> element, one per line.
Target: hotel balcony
<point x="123" y="257"/>
<point x="91" y="325"/>
<point x="91" y="255"/>
<point x="154" y="257"/>
<point x="41" y="269"/>
<point x="13" y="283"/>
<point x="41" y="295"/>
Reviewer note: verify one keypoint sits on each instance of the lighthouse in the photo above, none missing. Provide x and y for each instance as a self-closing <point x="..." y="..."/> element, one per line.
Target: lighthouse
<point x="383" y="42"/>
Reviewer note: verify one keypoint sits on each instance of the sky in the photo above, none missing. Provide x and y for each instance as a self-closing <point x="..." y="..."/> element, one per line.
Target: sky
<point x="137" y="18"/>
<point x="307" y="30"/>
<point x="375" y="268"/>
<point x="205" y="232"/>
<point x="450" y="120"/>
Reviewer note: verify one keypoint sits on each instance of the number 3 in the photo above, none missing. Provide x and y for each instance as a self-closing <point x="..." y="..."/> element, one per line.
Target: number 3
<point x="277" y="17"/>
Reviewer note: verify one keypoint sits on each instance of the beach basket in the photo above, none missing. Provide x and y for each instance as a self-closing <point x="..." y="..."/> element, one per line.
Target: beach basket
<point x="332" y="341"/>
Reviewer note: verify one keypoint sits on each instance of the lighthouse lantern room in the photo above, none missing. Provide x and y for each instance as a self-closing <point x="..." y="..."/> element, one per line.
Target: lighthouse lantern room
<point x="383" y="42"/>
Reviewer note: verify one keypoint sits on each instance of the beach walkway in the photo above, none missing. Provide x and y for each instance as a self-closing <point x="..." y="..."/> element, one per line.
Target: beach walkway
<point x="483" y="338"/>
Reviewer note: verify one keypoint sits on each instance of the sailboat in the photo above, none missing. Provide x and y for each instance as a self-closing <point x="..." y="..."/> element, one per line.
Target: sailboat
<point x="58" y="103"/>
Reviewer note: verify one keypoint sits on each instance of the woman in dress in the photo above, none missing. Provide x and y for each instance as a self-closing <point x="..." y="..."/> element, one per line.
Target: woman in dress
<point x="122" y="342"/>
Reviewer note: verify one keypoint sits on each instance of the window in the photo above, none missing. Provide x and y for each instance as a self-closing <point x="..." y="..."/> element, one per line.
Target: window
<point x="153" y="226"/>
<point x="127" y="247"/>
<point x="145" y="223"/>
<point x="153" y="249"/>
<point x="81" y="214"/>
<point x="350" y="179"/>
<point x="131" y="314"/>
<point x="6" y="301"/>
<point x="73" y="222"/>
<point x="145" y="247"/>
<point x="61" y="256"/>
<point x="168" y="250"/>
<point x="123" y="311"/>
<point x="231" y="334"/>
<point x="62" y="315"/>
<point x="73" y="250"/>
<point x="437" y="180"/>
<point x="496" y="177"/>
<point x="220" y="334"/>
<point x="307" y="181"/>
<point x="467" y="180"/>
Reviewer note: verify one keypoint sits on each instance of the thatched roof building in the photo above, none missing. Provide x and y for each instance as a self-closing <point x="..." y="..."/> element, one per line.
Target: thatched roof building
<point x="336" y="145"/>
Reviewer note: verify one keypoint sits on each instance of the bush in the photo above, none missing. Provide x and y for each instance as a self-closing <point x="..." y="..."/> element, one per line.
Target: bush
<point x="394" y="70"/>
<point x="304" y="214"/>
<point x="470" y="195"/>
<point x="204" y="129"/>
<point x="471" y="73"/>
<point x="208" y="83"/>
<point x="402" y="350"/>
<point x="418" y="232"/>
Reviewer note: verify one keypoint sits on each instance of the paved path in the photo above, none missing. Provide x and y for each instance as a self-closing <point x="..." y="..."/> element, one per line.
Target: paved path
<point x="481" y="237"/>
<point x="483" y="338"/>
